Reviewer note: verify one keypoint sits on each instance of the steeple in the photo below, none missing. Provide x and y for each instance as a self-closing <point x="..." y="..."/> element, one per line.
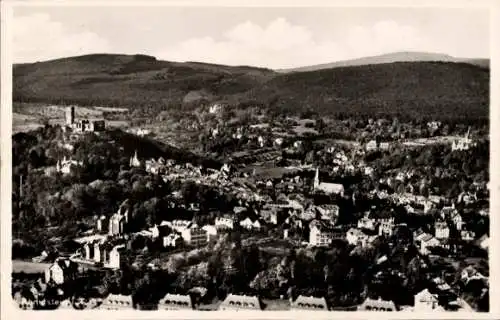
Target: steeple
<point x="316" y="179"/>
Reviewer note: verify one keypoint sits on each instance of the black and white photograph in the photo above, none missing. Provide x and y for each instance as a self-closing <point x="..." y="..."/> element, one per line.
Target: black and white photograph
<point x="247" y="158"/>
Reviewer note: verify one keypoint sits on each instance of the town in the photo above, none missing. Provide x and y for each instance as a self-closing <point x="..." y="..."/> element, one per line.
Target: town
<point x="265" y="212"/>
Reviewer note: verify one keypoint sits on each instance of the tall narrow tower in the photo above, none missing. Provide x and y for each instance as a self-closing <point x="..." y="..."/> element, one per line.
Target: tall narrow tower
<point x="316" y="180"/>
<point x="70" y="115"/>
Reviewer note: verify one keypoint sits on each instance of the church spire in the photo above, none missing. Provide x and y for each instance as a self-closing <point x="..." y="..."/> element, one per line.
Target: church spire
<point x="316" y="179"/>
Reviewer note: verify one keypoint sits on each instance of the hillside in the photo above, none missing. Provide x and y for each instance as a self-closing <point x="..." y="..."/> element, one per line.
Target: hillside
<point x="129" y="80"/>
<point x="440" y="89"/>
<point x="390" y="58"/>
<point x="416" y="88"/>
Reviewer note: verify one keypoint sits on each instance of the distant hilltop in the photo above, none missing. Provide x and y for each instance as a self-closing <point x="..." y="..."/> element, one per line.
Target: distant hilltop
<point x="408" y="56"/>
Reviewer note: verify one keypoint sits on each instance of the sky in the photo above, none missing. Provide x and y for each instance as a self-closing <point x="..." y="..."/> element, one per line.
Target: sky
<point x="265" y="37"/>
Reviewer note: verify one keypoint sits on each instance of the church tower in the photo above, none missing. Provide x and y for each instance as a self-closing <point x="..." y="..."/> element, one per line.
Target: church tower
<point x="70" y="115"/>
<point x="316" y="180"/>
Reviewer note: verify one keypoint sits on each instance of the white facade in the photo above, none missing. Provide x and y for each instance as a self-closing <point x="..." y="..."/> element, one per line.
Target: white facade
<point x="318" y="237"/>
<point x="442" y="230"/>
<point x="211" y="232"/>
<point x="54" y="273"/>
<point x="425" y="301"/>
<point x="195" y="236"/>
<point x="224" y="223"/>
<point x="115" y="257"/>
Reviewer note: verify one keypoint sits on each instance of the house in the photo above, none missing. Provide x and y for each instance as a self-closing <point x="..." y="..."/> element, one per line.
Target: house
<point x="371" y="145"/>
<point x="67" y="165"/>
<point x="384" y="146"/>
<point x="386" y="227"/>
<point x="366" y="223"/>
<point x="457" y="220"/>
<point x="175" y="302"/>
<point x="117" y="302"/>
<point x="194" y="235"/>
<point x="115" y="257"/>
<point x="235" y="302"/>
<point x="179" y="225"/>
<point x="463" y="144"/>
<point x="172" y="240"/>
<point x="484" y="242"/>
<point x="441" y="230"/>
<point x="134" y="161"/>
<point x="425" y="301"/>
<point x="322" y="233"/>
<point x="224" y="223"/>
<point x="155" y="232"/>
<point x="328" y="188"/>
<point x="247" y="224"/>
<point x="60" y="271"/>
<point x="216" y="108"/>
<point x="357" y="237"/>
<point x="156" y="167"/>
<point x="328" y="212"/>
<point x="309" y="303"/>
<point x="118" y="222"/>
<point x="377" y="305"/>
<point x="101" y="224"/>
<point x="467" y="235"/>
<point x="426" y="241"/>
<point x="211" y="231"/>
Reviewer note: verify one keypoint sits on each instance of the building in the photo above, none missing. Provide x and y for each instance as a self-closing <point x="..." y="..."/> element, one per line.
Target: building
<point x="425" y="301"/>
<point x="211" y="232"/>
<point x="457" y="220"/>
<point x="194" y="235"/>
<point x="172" y="240"/>
<point x="134" y="161"/>
<point x="328" y="212"/>
<point x="309" y="303"/>
<point x="101" y="224"/>
<point x="357" y="237"/>
<point x="366" y="223"/>
<point x="179" y="225"/>
<point x="70" y="115"/>
<point x="247" y="224"/>
<point x="384" y="146"/>
<point x="467" y="235"/>
<point x="322" y="233"/>
<point x="67" y="165"/>
<point x="328" y="188"/>
<point x="425" y="242"/>
<point x="463" y="144"/>
<point x="223" y="223"/>
<point x="117" y="302"/>
<point x="234" y="302"/>
<point x="175" y="302"/>
<point x="60" y="271"/>
<point x="441" y="230"/>
<point x="156" y="167"/>
<point x="115" y="257"/>
<point x="89" y="126"/>
<point x="377" y="305"/>
<point x="386" y="227"/>
<point x="371" y="145"/>
<point x="484" y="242"/>
<point x="118" y="222"/>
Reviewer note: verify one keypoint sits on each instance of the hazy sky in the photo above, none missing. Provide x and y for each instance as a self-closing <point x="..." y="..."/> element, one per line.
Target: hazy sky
<point x="269" y="37"/>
